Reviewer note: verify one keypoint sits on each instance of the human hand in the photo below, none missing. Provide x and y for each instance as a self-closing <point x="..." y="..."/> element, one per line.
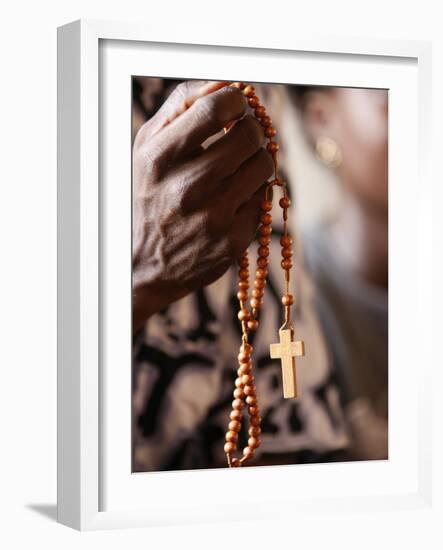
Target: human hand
<point x="195" y="209"/>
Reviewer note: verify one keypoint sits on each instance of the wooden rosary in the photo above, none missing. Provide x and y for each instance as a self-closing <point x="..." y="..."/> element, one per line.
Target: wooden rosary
<point x="287" y="349"/>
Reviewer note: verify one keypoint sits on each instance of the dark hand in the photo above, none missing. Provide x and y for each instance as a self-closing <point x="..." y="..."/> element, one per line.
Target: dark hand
<point x="195" y="209"/>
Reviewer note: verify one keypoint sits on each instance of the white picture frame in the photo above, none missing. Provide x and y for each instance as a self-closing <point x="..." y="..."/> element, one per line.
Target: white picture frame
<point x="96" y="489"/>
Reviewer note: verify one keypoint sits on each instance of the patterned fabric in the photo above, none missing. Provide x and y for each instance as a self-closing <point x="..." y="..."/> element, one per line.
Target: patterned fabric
<point x="185" y="361"/>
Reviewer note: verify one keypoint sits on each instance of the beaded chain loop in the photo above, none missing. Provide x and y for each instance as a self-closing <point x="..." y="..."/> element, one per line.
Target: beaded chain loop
<point x="245" y="390"/>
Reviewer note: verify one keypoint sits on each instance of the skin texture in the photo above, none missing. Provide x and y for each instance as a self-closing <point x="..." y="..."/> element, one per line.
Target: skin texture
<point x="195" y="207"/>
<point x="356" y="119"/>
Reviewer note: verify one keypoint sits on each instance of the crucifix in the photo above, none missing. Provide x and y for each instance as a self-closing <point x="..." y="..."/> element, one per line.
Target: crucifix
<point x="287" y="350"/>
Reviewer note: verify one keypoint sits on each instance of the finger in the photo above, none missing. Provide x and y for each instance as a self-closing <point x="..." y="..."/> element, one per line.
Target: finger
<point x="205" y="117"/>
<point x="225" y="196"/>
<point x="224" y="157"/>
<point x="252" y="174"/>
<point x="245" y="223"/>
<point x="181" y="98"/>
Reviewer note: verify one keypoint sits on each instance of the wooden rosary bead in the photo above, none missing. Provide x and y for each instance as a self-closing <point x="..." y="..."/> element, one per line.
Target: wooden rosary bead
<point x="244" y="369"/>
<point x="286" y="252"/>
<point x="263" y="251"/>
<point x="249" y="390"/>
<point x="266" y="205"/>
<point x="253" y="410"/>
<point x="284" y="202"/>
<point x="253" y="324"/>
<point x="253" y="102"/>
<point x="243" y="372"/>
<point x="244" y="357"/>
<point x="286" y="240"/>
<point x="258" y="293"/>
<point x="264" y="240"/>
<point x="246" y="379"/>
<point x="243" y="273"/>
<point x="270" y="132"/>
<point x="234" y="426"/>
<point x="251" y="400"/>
<point x="243" y="285"/>
<point x="265" y="230"/>
<point x="259" y="283"/>
<point x="261" y="273"/>
<point x="262" y="262"/>
<point x="287" y="300"/>
<point x="254" y="442"/>
<point x="231" y="436"/>
<point x="243" y="314"/>
<point x="273" y="147"/>
<point x="238" y="383"/>
<point x="286" y="263"/>
<point x="235" y="415"/>
<point x="242" y="295"/>
<point x="266" y="219"/>
<point x="245" y="352"/>
<point x="240" y="85"/>
<point x="243" y="261"/>
<point x="230" y="447"/>
<point x="254" y="431"/>
<point x="238" y="404"/>
<point x="256" y="303"/>
<point x="260" y="111"/>
<point x="266" y="121"/>
<point x="239" y="393"/>
<point x="254" y="420"/>
<point x="248" y="452"/>
<point x="249" y="90"/>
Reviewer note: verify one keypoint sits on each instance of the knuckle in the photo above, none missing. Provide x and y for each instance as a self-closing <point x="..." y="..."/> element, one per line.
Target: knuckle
<point x="236" y="94"/>
<point x="204" y="109"/>
<point x="220" y="107"/>
<point x="180" y="93"/>
<point x="234" y="100"/>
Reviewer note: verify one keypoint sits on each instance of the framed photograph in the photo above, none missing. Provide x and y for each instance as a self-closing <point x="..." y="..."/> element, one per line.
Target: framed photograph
<point x="240" y="291"/>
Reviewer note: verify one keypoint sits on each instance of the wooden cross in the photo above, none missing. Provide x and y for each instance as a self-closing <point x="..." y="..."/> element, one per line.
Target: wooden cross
<point x="287" y="350"/>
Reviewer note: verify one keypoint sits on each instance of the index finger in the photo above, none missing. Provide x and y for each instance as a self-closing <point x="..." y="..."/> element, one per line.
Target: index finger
<point x="204" y="118"/>
<point x="181" y="99"/>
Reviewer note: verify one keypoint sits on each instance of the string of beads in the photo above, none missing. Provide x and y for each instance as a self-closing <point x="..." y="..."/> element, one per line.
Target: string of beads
<point x="245" y="393"/>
